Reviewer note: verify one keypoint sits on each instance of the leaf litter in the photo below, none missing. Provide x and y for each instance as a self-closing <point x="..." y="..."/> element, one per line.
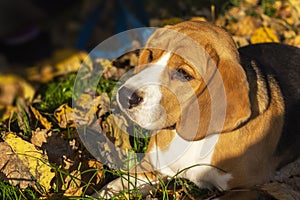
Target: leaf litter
<point x="40" y="145"/>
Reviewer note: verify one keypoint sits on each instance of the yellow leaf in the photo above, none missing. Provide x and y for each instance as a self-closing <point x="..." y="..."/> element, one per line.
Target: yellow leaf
<point x="73" y="63"/>
<point x="84" y="100"/>
<point x="43" y="120"/>
<point x="12" y="86"/>
<point x="34" y="159"/>
<point x="115" y="129"/>
<point x="72" y="184"/>
<point x="245" y="26"/>
<point x="295" y="41"/>
<point x="264" y="34"/>
<point x="90" y="109"/>
<point x="63" y="62"/>
<point x="6" y="111"/>
<point x="64" y="115"/>
<point x="296" y="5"/>
<point x="73" y="191"/>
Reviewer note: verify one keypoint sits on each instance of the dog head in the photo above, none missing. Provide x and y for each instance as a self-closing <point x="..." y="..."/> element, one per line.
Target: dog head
<point x="188" y="78"/>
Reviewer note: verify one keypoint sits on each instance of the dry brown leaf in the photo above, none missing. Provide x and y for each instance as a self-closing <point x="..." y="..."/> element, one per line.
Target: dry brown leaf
<point x="33" y="159"/>
<point x="73" y="191"/>
<point x="95" y="164"/>
<point x="276" y="24"/>
<point x="286" y="184"/>
<point x="12" y="86"/>
<point x="39" y="137"/>
<point x="281" y="191"/>
<point x="72" y="184"/>
<point x="240" y="41"/>
<point x="12" y="169"/>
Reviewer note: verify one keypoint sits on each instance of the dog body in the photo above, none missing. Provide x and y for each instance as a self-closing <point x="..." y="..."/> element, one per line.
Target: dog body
<point x="219" y="117"/>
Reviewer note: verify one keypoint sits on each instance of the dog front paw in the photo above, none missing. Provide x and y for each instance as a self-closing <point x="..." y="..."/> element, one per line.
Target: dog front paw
<point x="110" y="190"/>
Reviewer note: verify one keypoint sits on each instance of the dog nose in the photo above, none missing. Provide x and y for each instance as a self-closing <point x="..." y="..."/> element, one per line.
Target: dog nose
<point x="128" y="98"/>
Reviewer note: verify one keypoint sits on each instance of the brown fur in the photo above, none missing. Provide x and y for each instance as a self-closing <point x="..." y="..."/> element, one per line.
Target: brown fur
<point x="253" y="122"/>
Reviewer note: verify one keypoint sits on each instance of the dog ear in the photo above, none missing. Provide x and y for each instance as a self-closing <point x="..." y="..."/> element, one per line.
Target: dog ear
<point x="238" y="105"/>
<point x="222" y="104"/>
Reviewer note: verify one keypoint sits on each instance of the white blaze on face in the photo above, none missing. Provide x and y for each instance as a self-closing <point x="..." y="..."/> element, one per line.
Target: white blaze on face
<point x="149" y="113"/>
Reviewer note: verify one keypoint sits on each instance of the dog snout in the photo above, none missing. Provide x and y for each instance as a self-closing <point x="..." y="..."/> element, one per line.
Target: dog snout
<point x="128" y="98"/>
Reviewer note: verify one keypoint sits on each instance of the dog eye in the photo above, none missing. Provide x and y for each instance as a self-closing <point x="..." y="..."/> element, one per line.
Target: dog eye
<point x="150" y="57"/>
<point x="182" y="75"/>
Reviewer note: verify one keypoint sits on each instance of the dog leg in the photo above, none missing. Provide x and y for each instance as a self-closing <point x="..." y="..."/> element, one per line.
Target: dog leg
<point x="120" y="186"/>
<point x="140" y="179"/>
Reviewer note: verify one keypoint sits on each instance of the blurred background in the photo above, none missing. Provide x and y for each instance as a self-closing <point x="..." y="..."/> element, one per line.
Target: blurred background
<point x="33" y="30"/>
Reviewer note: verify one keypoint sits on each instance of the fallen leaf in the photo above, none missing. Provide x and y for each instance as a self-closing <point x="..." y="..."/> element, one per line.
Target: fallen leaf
<point x="73" y="191"/>
<point x="252" y="2"/>
<point x="39" y="137"/>
<point x="33" y="159"/>
<point x="245" y="26"/>
<point x="72" y="184"/>
<point x="95" y="164"/>
<point x="89" y="109"/>
<point x="73" y="63"/>
<point x="6" y="112"/>
<point x="112" y="72"/>
<point x="13" y="170"/>
<point x="24" y="116"/>
<point x="12" y="86"/>
<point x="64" y="116"/>
<point x="63" y="61"/>
<point x="84" y="100"/>
<point x="294" y="41"/>
<point x="240" y="41"/>
<point x="43" y="120"/>
<point x="115" y="130"/>
<point x="102" y="103"/>
<point x="264" y="34"/>
<point x="281" y="191"/>
<point x="289" y="11"/>
<point x="286" y="183"/>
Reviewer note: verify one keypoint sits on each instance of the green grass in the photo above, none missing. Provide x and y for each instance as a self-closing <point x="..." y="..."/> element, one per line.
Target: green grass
<point x="56" y="93"/>
<point x="9" y="192"/>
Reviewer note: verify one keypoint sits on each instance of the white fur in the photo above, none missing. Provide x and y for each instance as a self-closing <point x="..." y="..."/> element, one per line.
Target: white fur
<point x="181" y="155"/>
<point x="181" y="158"/>
<point x="149" y="114"/>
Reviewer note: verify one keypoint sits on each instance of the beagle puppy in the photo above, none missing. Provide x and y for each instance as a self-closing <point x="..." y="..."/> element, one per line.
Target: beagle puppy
<point x="220" y="117"/>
